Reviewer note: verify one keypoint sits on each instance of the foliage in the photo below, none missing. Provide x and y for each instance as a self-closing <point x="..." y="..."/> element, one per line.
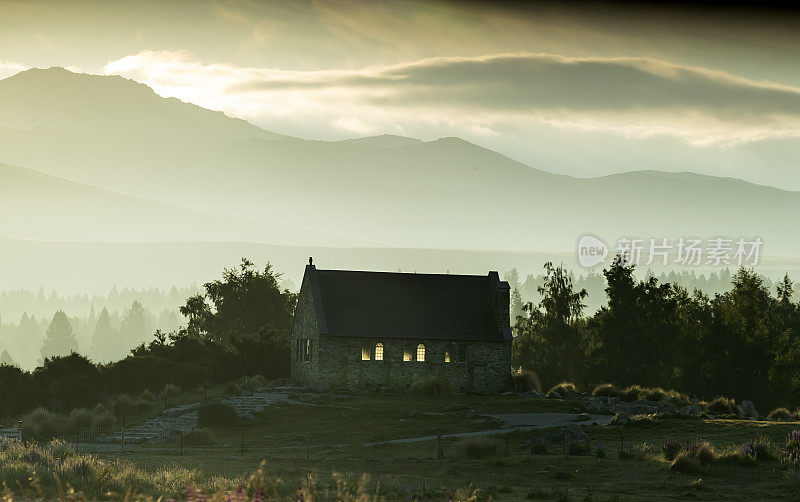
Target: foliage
<point x="722" y="406"/>
<point x="564" y="389"/>
<point x="525" y="380"/>
<point x="433" y="386"/>
<point x="671" y="448"/>
<point x="59" y="340"/>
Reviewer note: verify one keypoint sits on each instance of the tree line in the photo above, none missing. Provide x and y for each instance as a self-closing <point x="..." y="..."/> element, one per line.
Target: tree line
<point x="239" y="325"/>
<point x="742" y="343"/>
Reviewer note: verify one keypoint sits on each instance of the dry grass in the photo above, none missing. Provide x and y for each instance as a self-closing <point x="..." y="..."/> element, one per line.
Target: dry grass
<point x="433" y="386"/>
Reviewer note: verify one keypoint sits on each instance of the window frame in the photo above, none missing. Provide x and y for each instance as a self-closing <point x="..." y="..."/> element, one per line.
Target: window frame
<point x="379" y="345"/>
<point x="420" y="350"/>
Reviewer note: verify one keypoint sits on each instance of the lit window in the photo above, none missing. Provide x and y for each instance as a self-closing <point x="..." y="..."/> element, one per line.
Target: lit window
<point x="420" y="353"/>
<point x="447" y="356"/>
<point x="379" y="352"/>
<point x="365" y="353"/>
<point x="406" y="354"/>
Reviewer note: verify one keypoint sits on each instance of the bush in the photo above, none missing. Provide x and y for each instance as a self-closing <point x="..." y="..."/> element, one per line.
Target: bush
<point x="656" y="394"/>
<point x="677" y="399"/>
<point x="216" y="415"/>
<point x="253" y="382"/>
<point x="703" y="451"/>
<point x="781" y="415"/>
<point x="432" y="386"/>
<point x="123" y="405"/>
<point x="146" y="395"/>
<point x="199" y="437"/>
<point x="606" y="390"/>
<point x="564" y="389"/>
<point x="79" y="419"/>
<point x="103" y="420"/>
<point x="686" y="463"/>
<point x="40" y="424"/>
<point x="632" y="393"/>
<point x="478" y="447"/>
<point x="722" y="406"/>
<point x="671" y="448"/>
<point x="142" y="406"/>
<point x="170" y="390"/>
<point x="525" y="380"/>
<point x="232" y="388"/>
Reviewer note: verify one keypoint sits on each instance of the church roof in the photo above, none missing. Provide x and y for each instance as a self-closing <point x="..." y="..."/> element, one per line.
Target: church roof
<point x="413" y="306"/>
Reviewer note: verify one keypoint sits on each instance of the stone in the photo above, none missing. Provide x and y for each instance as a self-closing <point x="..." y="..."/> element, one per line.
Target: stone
<point x="455" y="407"/>
<point x="554" y="395"/>
<point x="471" y="414"/>
<point x="507" y="393"/>
<point x="532" y="393"/>
<point x="691" y="410"/>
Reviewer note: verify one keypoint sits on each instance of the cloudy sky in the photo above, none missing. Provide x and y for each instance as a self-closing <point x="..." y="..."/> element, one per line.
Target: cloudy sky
<point x="586" y="90"/>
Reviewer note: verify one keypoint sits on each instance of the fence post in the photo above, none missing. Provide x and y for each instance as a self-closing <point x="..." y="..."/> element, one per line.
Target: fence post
<point x="438" y="453"/>
<point x="122" y="436"/>
<point x="243" y="443"/>
<point x="181" y="443"/>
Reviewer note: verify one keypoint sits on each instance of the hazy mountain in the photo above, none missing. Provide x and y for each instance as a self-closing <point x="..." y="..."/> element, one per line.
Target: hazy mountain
<point x="109" y="106"/>
<point x="40" y="207"/>
<point x="388" y="190"/>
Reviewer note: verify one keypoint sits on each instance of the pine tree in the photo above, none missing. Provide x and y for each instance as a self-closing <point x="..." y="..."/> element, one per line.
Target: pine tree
<point x="105" y="346"/>
<point x="59" y="341"/>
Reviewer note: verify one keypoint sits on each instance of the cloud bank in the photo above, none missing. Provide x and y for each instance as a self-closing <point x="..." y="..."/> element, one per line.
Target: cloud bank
<point x="633" y="97"/>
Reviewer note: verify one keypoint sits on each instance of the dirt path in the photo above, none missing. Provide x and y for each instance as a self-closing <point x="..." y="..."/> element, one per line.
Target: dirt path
<point x="512" y="422"/>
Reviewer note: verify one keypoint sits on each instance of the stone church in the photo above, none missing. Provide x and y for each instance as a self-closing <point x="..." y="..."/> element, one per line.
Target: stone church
<point x="381" y="329"/>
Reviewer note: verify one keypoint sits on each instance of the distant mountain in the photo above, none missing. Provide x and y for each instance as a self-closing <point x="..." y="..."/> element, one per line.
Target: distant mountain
<point x="35" y="206"/>
<point x="103" y="106"/>
<point x="388" y="190"/>
<point x="383" y="141"/>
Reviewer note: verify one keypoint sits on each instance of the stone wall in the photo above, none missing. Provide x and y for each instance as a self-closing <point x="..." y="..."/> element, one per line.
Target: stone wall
<point x="485" y="368"/>
<point x="305" y="328"/>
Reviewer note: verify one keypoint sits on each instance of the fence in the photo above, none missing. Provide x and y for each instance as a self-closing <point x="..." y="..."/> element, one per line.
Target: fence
<point x="122" y="439"/>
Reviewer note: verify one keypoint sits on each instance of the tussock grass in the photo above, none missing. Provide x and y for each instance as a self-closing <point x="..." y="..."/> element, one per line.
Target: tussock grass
<point x="606" y="390"/>
<point x="564" y="388"/>
<point x="433" y="386"/>
<point x="781" y="415"/>
<point x="721" y="405"/>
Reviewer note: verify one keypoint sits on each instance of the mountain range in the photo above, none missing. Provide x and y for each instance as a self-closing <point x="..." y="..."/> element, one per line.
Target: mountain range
<point x="103" y="158"/>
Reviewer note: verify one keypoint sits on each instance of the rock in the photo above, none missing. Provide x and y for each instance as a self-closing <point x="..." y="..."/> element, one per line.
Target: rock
<point x="455" y="407"/>
<point x="583" y="417"/>
<point x="620" y="419"/>
<point x="573" y="393"/>
<point x="747" y="409"/>
<point x="574" y="431"/>
<point x="601" y="404"/>
<point x="532" y="393"/>
<point x="691" y="410"/>
<point x="507" y="393"/>
<point x="471" y="414"/>
<point x="554" y="395"/>
<point x="308" y="397"/>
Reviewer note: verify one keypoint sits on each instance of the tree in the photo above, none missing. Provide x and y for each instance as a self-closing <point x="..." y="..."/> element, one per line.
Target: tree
<point x="59" y="340"/>
<point x="517" y="307"/>
<point x="135" y="327"/>
<point x="105" y="343"/>
<point x="245" y="303"/>
<point x="5" y="358"/>
<point x="550" y="340"/>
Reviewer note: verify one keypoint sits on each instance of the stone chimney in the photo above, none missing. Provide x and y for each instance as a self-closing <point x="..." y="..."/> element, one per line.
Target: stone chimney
<point x="501" y="299"/>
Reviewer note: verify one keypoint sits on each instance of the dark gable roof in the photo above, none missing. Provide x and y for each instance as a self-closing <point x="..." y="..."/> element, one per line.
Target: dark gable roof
<point x="414" y="306"/>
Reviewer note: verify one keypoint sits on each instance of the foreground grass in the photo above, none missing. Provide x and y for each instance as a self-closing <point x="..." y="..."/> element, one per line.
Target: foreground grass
<point x="319" y="448"/>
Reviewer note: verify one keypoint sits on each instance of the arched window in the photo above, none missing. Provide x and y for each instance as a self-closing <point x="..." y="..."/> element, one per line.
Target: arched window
<point x="407" y="355"/>
<point x="447" y="356"/>
<point x="365" y="353"/>
<point x="379" y="351"/>
<point x="421" y="353"/>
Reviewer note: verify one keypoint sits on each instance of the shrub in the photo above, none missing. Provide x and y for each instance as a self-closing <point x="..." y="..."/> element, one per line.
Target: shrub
<point x="564" y="389"/>
<point x="781" y="415"/>
<point x="142" y="406"/>
<point x="632" y="393"/>
<point x="79" y="419"/>
<point x="199" y="437"/>
<point x="686" y="463"/>
<point x="656" y="394"/>
<point x="40" y="424"/>
<point x="703" y="451"/>
<point x="677" y="399"/>
<point x="123" y="405"/>
<point x="146" y="395"/>
<point x="216" y="415"/>
<point x="232" y="388"/>
<point x="103" y="420"/>
<point x="722" y="406"/>
<point x="170" y="390"/>
<point x="606" y="390"/>
<point x="478" y="447"/>
<point x="253" y="382"/>
<point x="432" y="386"/>
<point x="671" y="448"/>
<point x="525" y="380"/>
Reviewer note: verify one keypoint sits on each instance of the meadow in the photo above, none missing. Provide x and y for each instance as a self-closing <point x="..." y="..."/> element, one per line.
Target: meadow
<point x="318" y="447"/>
